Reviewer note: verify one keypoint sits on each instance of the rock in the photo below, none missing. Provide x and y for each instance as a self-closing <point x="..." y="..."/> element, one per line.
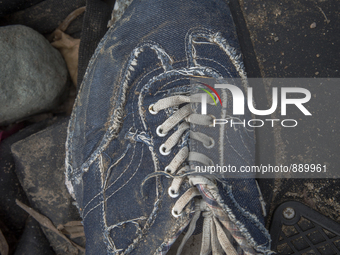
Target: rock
<point x="40" y="167"/>
<point x="33" y="74"/>
<point x="14" y="217"/>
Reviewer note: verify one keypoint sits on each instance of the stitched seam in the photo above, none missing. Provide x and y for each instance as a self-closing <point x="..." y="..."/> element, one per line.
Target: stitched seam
<point x="109" y="171"/>
<point x="117" y="189"/>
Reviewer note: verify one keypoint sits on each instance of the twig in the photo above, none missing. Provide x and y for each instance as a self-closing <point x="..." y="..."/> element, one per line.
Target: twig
<point x="47" y="223"/>
<point x="4" y="249"/>
<point x="73" y="229"/>
<point x="72" y="16"/>
<point x="67" y="21"/>
<point x="327" y="20"/>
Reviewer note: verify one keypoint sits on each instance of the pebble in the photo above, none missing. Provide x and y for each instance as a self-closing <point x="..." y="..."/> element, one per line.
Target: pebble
<point x="313" y="25"/>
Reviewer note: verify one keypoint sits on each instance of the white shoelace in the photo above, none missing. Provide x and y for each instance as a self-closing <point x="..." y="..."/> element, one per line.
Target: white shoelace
<point x="214" y="238"/>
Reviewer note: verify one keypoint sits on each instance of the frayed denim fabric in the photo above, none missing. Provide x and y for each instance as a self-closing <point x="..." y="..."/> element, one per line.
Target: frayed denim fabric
<point x="152" y="53"/>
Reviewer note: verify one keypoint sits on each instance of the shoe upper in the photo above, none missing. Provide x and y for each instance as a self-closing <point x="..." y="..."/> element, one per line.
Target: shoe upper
<point x="114" y="164"/>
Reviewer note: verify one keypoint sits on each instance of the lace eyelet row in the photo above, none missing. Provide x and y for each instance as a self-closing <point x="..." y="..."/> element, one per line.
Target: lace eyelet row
<point x="162" y="148"/>
<point x="163" y="151"/>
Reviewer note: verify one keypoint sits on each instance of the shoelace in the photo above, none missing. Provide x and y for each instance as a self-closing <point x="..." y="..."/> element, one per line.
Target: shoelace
<point x="214" y="238"/>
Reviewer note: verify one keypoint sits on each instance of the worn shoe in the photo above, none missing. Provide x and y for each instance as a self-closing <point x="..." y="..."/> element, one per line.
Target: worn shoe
<point x="132" y="126"/>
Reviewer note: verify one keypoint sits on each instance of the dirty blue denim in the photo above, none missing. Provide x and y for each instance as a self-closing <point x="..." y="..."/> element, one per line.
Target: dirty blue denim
<point x="152" y="52"/>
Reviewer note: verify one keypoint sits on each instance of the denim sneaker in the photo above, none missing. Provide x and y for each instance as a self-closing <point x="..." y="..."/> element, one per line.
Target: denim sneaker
<point x="128" y="148"/>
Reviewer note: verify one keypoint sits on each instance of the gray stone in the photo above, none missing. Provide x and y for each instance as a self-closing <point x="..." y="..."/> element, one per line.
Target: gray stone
<point x="33" y="74"/>
<point x="40" y="167"/>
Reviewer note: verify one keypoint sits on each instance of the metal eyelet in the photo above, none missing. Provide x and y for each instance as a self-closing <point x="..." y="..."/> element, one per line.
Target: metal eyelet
<point x="159" y="132"/>
<point x="151" y="110"/>
<point x="212" y="144"/>
<point x="167" y="170"/>
<point x="175" y="213"/>
<point x="162" y="150"/>
<point x="214" y="118"/>
<point x="172" y="193"/>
